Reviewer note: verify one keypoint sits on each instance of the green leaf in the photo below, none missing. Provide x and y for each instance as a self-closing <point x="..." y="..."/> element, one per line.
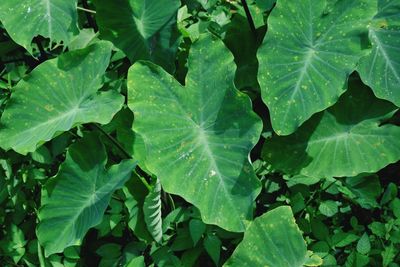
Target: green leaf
<point x="56" y="96"/>
<point x="365" y="190"/>
<point x="381" y="68"/>
<point x="142" y="29"/>
<point x="307" y="56"/>
<point x="197" y="229"/>
<point x="136" y="262"/>
<point x="83" y="188"/>
<point x="345" y="140"/>
<point x="55" y="19"/>
<point x="328" y="208"/>
<point x="212" y="245"/>
<point x="388" y="255"/>
<point x="273" y="239"/>
<point x="364" y="245"/>
<point x="152" y="212"/>
<point x="198" y="137"/>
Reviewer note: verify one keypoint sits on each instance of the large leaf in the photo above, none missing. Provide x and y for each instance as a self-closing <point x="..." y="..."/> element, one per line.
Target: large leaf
<point x="309" y="51"/>
<point x="23" y="20"/>
<point x="152" y="212"/>
<point x="143" y="29"/>
<point x="345" y="140"/>
<point x="381" y="68"/>
<point x="198" y="136"/>
<point x="57" y="95"/>
<point x="273" y="239"/>
<point x="83" y="188"/>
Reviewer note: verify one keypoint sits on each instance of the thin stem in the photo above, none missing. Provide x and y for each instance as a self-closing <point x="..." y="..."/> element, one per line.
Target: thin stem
<point x="43" y="54"/>
<point x="249" y="18"/>
<point x="91" y="21"/>
<point x="114" y="141"/>
<point x="138" y="171"/>
<point x="86" y="10"/>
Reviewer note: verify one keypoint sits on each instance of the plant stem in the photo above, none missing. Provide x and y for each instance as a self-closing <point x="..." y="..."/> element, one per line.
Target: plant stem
<point x="249" y="18"/>
<point x="91" y="21"/>
<point x="86" y="10"/>
<point x="43" y="54"/>
<point x="139" y="173"/>
<point x="115" y="142"/>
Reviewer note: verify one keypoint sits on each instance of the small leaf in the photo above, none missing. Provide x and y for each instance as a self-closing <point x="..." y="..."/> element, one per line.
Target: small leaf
<point x="197" y="229"/>
<point x="364" y="245"/>
<point x="328" y="208"/>
<point x="152" y="212"/>
<point x="212" y="245"/>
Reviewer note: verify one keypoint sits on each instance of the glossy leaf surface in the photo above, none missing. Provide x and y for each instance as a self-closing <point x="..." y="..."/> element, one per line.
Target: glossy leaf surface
<point x="56" y="96"/>
<point x="345" y="140"/>
<point x="198" y="136"/>
<point x="308" y="53"/>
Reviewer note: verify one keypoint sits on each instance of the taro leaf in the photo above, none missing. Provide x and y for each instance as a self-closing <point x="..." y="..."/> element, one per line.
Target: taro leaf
<point x="152" y="212"/>
<point x="274" y="239"/>
<point x="83" y="188"/>
<point x="307" y="56"/>
<point x="55" y="19"/>
<point x="389" y="10"/>
<point x="344" y="140"/>
<point x="198" y="136"/>
<point x="381" y="68"/>
<point x="142" y="29"/>
<point x="59" y="94"/>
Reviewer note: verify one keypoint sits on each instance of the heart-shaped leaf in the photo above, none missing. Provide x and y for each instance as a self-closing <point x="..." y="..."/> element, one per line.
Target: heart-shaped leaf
<point x="142" y="29"/>
<point x="82" y="191"/>
<point x="308" y="53"/>
<point x="274" y="239"/>
<point x="345" y="140"/>
<point x="23" y="20"/>
<point x="198" y="137"/>
<point x="56" y="96"/>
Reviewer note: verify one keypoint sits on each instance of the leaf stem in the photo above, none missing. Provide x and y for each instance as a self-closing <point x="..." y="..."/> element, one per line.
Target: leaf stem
<point x="138" y="171"/>
<point x="86" y="10"/>
<point x="91" y="21"/>
<point x="249" y="18"/>
<point x="114" y="141"/>
<point x="40" y="255"/>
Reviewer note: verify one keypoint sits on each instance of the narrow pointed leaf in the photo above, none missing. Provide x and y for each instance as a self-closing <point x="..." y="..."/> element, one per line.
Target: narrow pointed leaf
<point x="152" y="212"/>
<point x="274" y="239"/>
<point x="55" y="19"/>
<point x="345" y="140"/>
<point x="142" y="29"/>
<point x="81" y="194"/>
<point x="198" y="137"/>
<point x="56" y="96"/>
<point x="309" y="51"/>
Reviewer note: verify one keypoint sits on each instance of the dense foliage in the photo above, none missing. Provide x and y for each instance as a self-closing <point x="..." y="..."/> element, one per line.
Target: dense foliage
<point x="199" y="133"/>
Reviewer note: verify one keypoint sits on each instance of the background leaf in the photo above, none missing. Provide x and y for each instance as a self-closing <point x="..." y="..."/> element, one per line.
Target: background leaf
<point x="55" y="19"/>
<point x="83" y="188"/>
<point x="59" y="94"/>
<point x="307" y="56"/>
